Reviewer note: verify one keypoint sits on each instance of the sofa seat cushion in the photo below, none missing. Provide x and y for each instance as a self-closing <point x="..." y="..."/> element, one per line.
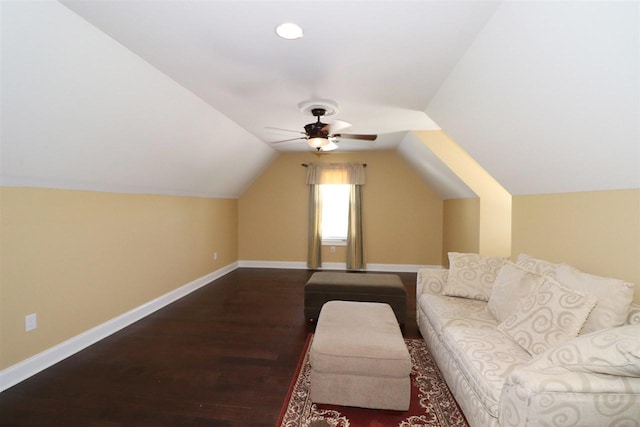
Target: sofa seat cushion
<point x="445" y="311"/>
<point x="557" y="379"/>
<point x="485" y="357"/>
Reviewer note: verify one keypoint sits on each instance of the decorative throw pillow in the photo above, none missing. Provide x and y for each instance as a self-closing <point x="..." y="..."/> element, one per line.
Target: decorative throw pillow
<point x="534" y="265"/>
<point x="614" y="297"/>
<point x="510" y="289"/>
<point x="612" y="351"/>
<point x="551" y="315"/>
<point x="633" y="318"/>
<point x="471" y="275"/>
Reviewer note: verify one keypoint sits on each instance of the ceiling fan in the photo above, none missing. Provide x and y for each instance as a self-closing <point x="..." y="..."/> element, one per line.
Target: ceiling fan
<point x="323" y="136"/>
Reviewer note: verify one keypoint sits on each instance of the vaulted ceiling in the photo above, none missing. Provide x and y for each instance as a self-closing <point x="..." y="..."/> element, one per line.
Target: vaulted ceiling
<point x="181" y="97"/>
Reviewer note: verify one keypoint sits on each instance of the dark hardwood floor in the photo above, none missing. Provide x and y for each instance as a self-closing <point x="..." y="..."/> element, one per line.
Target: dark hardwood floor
<point x="222" y="356"/>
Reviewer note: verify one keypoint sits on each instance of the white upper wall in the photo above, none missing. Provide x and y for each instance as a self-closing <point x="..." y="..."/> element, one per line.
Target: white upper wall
<point x="547" y="98"/>
<point x="81" y="111"/>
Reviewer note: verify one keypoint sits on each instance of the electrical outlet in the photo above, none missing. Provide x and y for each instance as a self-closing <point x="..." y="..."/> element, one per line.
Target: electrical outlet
<point x="215" y="256"/>
<point x="333" y="249"/>
<point x="30" y="322"/>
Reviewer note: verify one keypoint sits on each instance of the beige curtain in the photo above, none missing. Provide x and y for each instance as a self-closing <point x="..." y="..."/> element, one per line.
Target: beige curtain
<point x="355" y="258"/>
<point x="335" y="173"/>
<point x="314" y="258"/>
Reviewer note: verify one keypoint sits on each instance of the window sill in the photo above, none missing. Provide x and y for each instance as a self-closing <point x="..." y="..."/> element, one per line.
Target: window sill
<point x="334" y="242"/>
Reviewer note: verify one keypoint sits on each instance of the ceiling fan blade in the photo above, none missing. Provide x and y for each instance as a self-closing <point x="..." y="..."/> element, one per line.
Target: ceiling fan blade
<point x="287" y="140"/>
<point x="325" y="128"/>
<point x="338" y="125"/>
<point x="286" y="130"/>
<point x="355" y="136"/>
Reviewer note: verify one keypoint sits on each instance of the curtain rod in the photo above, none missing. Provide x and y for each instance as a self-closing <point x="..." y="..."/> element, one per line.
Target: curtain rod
<point x="307" y="165"/>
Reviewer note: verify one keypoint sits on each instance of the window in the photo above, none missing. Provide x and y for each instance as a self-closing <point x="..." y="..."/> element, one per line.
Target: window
<point x="335" y="213"/>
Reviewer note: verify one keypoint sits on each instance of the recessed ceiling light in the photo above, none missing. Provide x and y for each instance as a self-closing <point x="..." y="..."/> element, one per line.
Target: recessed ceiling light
<point x="289" y="31"/>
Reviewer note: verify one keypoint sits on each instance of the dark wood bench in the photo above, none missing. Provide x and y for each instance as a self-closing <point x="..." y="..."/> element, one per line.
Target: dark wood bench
<point x="367" y="287"/>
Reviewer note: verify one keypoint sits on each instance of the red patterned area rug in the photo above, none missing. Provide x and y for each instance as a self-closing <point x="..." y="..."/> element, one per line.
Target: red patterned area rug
<point x="431" y="401"/>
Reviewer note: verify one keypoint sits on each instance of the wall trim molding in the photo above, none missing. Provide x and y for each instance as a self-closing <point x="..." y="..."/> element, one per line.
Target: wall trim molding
<point x="295" y="265"/>
<point x="301" y="265"/>
<point x="41" y="361"/>
<point x="400" y="268"/>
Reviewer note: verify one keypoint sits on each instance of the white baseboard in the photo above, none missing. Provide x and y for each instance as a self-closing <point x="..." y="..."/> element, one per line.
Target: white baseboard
<point x="31" y="366"/>
<point x="294" y="265"/>
<point x="41" y="361"/>
<point x="301" y="265"/>
<point x="399" y="268"/>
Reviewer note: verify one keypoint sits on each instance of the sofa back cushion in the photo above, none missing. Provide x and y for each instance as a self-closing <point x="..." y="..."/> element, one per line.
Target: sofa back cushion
<point x="614" y="296"/>
<point x="551" y="315"/>
<point x="510" y="289"/>
<point x="535" y="265"/>
<point x="471" y="275"/>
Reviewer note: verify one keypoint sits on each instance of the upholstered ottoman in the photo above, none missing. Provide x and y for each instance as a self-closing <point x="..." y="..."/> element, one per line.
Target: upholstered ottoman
<point x="326" y="286"/>
<point x="359" y="358"/>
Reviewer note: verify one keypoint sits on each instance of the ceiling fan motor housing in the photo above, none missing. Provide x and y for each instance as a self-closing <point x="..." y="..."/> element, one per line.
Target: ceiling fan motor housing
<point x="317" y="129"/>
<point x="318" y="112"/>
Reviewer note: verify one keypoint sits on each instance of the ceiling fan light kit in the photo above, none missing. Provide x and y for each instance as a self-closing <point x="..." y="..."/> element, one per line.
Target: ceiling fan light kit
<point x="330" y="146"/>
<point x="318" y="142"/>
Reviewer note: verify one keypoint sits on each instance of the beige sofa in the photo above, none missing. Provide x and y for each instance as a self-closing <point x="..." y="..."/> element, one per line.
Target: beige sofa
<point x="532" y="343"/>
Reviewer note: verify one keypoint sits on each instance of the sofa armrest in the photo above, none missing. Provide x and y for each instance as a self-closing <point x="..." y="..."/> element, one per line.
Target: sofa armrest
<point x="431" y="281"/>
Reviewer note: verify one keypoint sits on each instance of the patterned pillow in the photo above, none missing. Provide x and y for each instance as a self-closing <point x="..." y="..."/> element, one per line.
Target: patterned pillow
<point x="633" y="318"/>
<point x="612" y="351"/>
<point x="471" y="275"/>
<point x="510" y="289"/>
<point x="614" y="296"/>
<point x="551" y="315"/>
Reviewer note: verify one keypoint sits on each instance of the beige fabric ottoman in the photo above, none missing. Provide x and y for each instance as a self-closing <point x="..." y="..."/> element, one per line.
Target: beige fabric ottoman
<point x="359" y="358"/>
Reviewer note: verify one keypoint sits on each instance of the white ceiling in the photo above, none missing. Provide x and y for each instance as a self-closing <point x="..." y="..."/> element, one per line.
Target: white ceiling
<point x="179" y="96"/>
<point x="380" y="61"/>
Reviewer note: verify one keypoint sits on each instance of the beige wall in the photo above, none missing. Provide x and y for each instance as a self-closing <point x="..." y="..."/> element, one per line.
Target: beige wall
<point x="461" y="227"/>
<point x="597" y="232"/>
<point x="78" y="258"/>
<point x="402" y="216"/>
<point x="495" y="202"/>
